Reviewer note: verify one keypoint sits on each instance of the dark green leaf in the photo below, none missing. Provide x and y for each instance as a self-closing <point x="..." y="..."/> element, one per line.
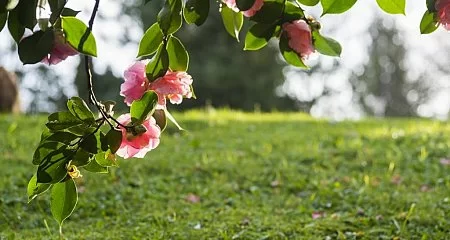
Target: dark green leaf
<point x="61" y="137"/>
<point x="90" y="143"/>
<point x="336" y="6"/>
<point x="43" y="150"/>
<point x="160" y="118"/>
<point x="3" y="18"/>
<point x="34" y="48"/>
<point x="94" y="167"/>
<point x="56" y="6"/>
<point x="290" y="55"/>
<point x="292" y="12"/>
<point x="431" y="5"/>
<point x="196" y="11"/>
<point x="79" y="109"/>
<point x="429" y="22"/>
<point x="151" y="40"/>
<point x="271" y="12"/>
<point x="143" y="107"/>
<point x="63" y="200"/>
<point x="81" y="158"/>
<point x="169" y="18"/>
<point x="258" y="36"/>
<point x="114" y="139"/>
<point x="68" y="12"/>
<point x="178" y="56"/>
<point x="158" y="65"/>
<point x="232" y="21"/>
<point x="34" y="188"/>
<point x="325" y="45"/>
<point x="392" y="6"/>
<point x="78" y="36"/>
<point x="309" y="2"/>
<point x="27" y="15"/>
<point x="15" y="28"/>
<point x="244" y="5"/>
<point x="53" y="167"/>
<point x="62" y="120"/>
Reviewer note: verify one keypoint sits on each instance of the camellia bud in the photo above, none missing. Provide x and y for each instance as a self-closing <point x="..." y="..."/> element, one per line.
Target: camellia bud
<point x="314" y="24"/>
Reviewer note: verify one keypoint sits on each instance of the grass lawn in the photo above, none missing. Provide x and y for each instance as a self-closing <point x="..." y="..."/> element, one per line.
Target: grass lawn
<point x="248" y="176"/>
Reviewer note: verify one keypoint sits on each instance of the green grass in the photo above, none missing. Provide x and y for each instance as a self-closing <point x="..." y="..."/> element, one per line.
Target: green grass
<point x="258" y="176"/>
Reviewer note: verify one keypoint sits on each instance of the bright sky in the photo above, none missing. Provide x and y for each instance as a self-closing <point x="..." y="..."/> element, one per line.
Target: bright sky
<point x="350" y="29"/>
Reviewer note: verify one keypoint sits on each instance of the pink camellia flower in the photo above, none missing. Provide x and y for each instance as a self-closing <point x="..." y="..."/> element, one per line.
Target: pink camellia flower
<point x="174" y="86"/>
<point x="138" y="145"/>
<point x="135" y="83"/>
<point x="60" y="51"/>
<point x="443" y="9"/>
<point x="299" y="35"/>
<point x="248" y="13"/>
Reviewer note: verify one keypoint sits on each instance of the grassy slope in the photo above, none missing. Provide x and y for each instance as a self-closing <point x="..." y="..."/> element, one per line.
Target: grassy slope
<point x="258" y="177"/>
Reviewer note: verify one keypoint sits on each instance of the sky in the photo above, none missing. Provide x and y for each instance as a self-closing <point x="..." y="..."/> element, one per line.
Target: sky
<point x="350" y="29"/>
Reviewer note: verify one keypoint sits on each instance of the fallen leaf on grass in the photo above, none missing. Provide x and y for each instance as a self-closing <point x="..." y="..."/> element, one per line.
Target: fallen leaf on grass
<point x="192" y="198"/>
<point x="317" y="215"/>
<point x="445" y="161"/>
<point x="396" y="179"/>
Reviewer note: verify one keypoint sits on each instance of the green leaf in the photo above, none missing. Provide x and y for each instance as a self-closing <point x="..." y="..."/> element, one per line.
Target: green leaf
<point x="158" y="65"/>
<point x="27" y="13"/>
<point x="43" y="150"/>
<point x="3" y="18"/>
<point x="63" y="200"/>
<point x="292" y="12"/>
<point x="170" y="18"/>
<point x="34" y="188"/>
<point x="336" y="6"/>
<point x="325" y="45"/>
<point x="143" y="107"/>
<point x="11" y="4"/>
<point x="90" y="143"/>
<point x="151" y="40"/>
<point x="78" y="36"/>
<point x="429" y="22"/>
<point x="61" y="137"/>
<point x="232" y="21"/>
<point x="309" y="2"/>
<point x="258" y="36"/>
<point x="160" y="118"/>
<point x="290" y="55"/>
<point x="16" y="29"/>
<point x="94" y="167"/>
<point x="271" y="12"/>
<point x="106" y="159"/>
<point x="79" y="109"/>
<point x="62" y="120"/>
<point x="53" y="167"/>
<point x="196" y="11"/>
<point x="81" y="158"/>
<point x="114" y="139"/>
<point x="244" y="5"/>
<point x="392" y="6"/>
<point x="172" y="119"/>
<point x="178" y="56"/>
<point x="34" y="48"/>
